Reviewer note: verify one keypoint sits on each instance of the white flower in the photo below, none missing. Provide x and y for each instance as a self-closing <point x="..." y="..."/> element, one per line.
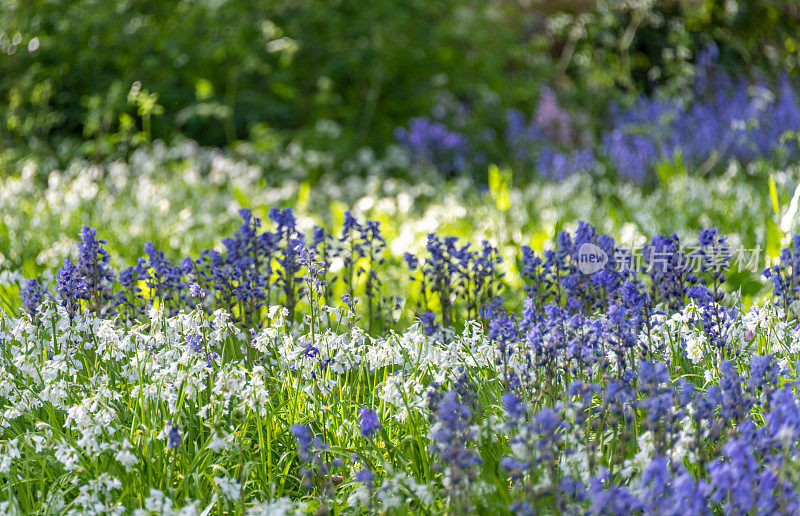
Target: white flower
<point x="785" y="435"/>
<point x="8" y="452"/>
<point x="127" y="459"/>
<point x="695" y="345"/>
<point x="229" y="487"/>
<point x="67" y="456"/>
<point x="639" y="461"/>
<point x="217" y="443"/>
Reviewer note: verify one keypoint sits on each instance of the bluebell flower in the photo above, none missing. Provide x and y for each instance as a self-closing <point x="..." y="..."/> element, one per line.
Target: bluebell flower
<point x="196" y="291"/>
<point x="129" y="299"/>
<point x="370" y="423"/>
<point x="727" y="119"/>
<point x="245" y="269"/>
<point x="514" y="406"/>
<point x="452" y="271"/>
<point x="593" y="290"/>
<point x="516" y="469"/>
<point x="324" y="251"/>
<point x="734" y="477"/>
<point x="665" y="262"/>
<point x="304" y="437"/>
<point x="365" y="476"/>
<point x="411" y="261"/>
<point x="450" y="437"/>
<point x="349" y="302"/>
<point x="633" y="155"/>
<point x="734" y="402"/>
<point x="31" y="295"/>
<point x="617" y="398"/>
<point x="701" y="294"/>
<point x="283" y="218"/>
<point x="608" y="498"/>
<point x="312" y="452"/>
<point x="547" y="421"/>
<point x="195" y="342"/>
<point x="556" y="165"/>
<point x="310" y="351"/>
<point x="93" y="264"/>
<point x="764" y="372"/>
<point x="429" y="325"/>
<point x="540" y="276"/>
<point x="672" y="493"/>
<point x="162" y="278"/>
<point x="173" y="435"/>
<point x="71" y="287"/>
<point x="717" y="321"/>
<point x="286" y="240"/>
<point x="522" y="508"/>
<point x="503" y="330"/>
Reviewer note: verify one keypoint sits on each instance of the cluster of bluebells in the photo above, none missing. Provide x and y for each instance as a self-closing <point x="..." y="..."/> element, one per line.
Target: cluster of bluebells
<point x="587" y="348"/>
<point x="318" y="465"/>
<point x="361" y="248"/>
<point x="549" y="142"/>
<point x="255" y="270"/>
<point x="453" y="435"/>
<point x="557" y="278"/>
<point x="452" y="271"/>
<point x="31" y="296"/>
<point x="631" y="295"/>
<point x="431" y="142"/>
<point x="727" y="118"/>
<point x="666" y="265"/>
<point x="89" y="279"/>
<point x="706" y="450"/>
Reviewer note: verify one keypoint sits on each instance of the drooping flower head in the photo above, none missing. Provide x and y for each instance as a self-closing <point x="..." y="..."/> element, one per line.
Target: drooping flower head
<point x="370" y="423"/>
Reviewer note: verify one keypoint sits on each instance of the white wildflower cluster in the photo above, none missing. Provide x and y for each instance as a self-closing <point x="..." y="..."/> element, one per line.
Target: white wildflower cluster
<point x="105" y="398"/>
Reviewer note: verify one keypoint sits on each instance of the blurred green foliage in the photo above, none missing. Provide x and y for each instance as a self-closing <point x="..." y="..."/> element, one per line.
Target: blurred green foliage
<point x="98" y="78"/>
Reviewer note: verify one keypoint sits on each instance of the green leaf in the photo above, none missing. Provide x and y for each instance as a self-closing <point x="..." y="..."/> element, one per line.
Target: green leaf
<point x="773" y="194"/>
<point x="773" y="239"/>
